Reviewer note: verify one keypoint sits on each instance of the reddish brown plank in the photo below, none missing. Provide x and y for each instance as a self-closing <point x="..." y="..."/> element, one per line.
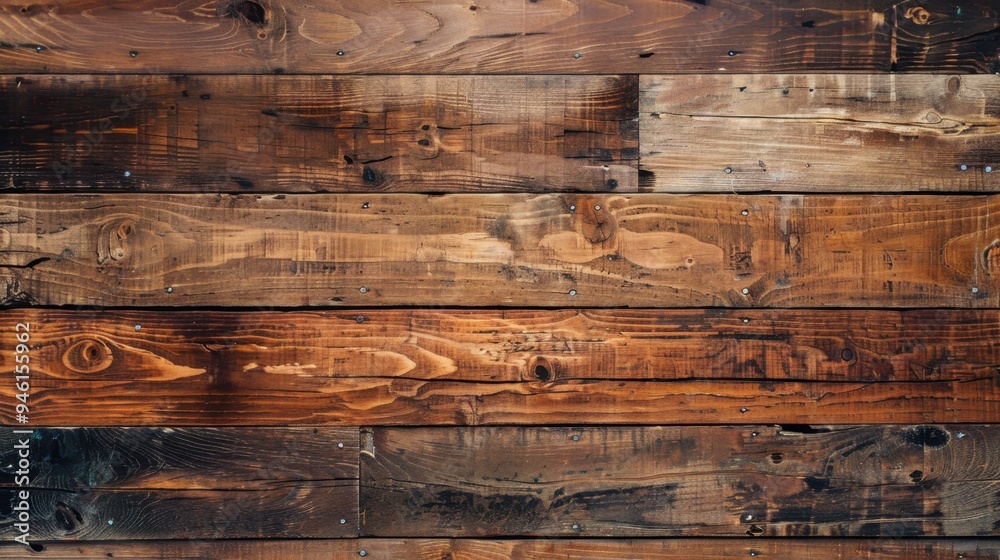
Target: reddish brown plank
<point x="319" y="133"/>
<point x="820" y="133"/>
<point x="455" y="367"/>
<point x="526" y="549"/>
<point x="499" y="36"/>
<point x="596" y="481"/>
<point x="500" y="250"/>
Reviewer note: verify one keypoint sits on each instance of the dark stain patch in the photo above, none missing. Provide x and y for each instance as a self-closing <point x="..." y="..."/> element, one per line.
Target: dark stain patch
<point x="206" y="96"/>
<point x="802" y="429"/>
<point x="817" y="484"/>
<point x="809" y="24"/>
<point x="492" y="514"/>
<point x="859" y="447"/>
<point x="930" y="437"/>
<point x="500" y="229"/>
<point x="777" y="458"/>
<point x="243" y="182"/>
<point x="269" y="113"/>
<point x="647" y="180"/>
<point x="646" y="55"/>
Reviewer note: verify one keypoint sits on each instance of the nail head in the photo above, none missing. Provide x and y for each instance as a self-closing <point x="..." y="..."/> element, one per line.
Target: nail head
<point x="138" y="328"/>
<point x="975" y="290"/>
<point x="363" y="553"/>
<point x="988" y="169"/>
<point x="133" y="54"/>
<point x="746" y="291"/>
<point x="363" y="289"/>
<point x="728" y="170"/>
<point x="576" y="437"/>
<point x="744" y="410"/>
<point x="963" y="167"/>
<point x="572" y="208"/>
<point x="170" y="290"/>
<point x="128" y="173"/>
<point x="343" y="521"/>
<point x="745" y="213"/>
<point x="597" y="207"/>
<point x="572" y="292"/>
<point x="732" y="53"/>
<point x="576" y="55"/>
<point x="340" y="53"/>
<point x="340" y="445"/>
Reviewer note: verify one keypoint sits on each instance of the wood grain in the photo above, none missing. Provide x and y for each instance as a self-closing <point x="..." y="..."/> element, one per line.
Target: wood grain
<point x="319" y="133"/>
<point x="500" y="36"/>
<point x="820" y="133"/>
<point x="681" y="481"/>
<point x="163" y="483"/>
<point x="500" y="250"/>
<point x="469" y="367"/>
<point x="527" y="549"/>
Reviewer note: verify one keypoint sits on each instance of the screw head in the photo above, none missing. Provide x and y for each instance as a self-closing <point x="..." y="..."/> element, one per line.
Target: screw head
<point x="728" y="170"/>
<point x="138" y="328"/>
<point x="363" y="289"/>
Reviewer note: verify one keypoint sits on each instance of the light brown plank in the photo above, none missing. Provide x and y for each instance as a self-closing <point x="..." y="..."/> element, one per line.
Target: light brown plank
<point x="820" y="133"/>
<point x="507" y="250"/>
<point x="499" y="36"/>
<point x="530" y="549"/>
<point x="164" y="483"/>
<point x="319" y="133"/>
<point x="454" y="367"/>
<point x="681" y="481"/>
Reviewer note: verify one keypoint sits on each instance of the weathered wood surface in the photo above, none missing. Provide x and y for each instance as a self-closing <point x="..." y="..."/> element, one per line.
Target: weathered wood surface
<point x="820" y="133"/>
<point x="500" y="36"/>
<point x="507" y="250"/>
<point x="319" y="133"/>
<point x="527" y="549"/>
<point x="681" y="481"/>
<point x="161" y="483"/>
<point x="463" y="367"/>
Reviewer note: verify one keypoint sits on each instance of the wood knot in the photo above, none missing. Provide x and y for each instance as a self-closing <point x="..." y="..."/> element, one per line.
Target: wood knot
<point x="594" y="220"/>
<point x="111" y="240"/>
<point x="250" y="11"/>
<point x="954" y="83"/>
<point x="542" y="369"/>
<point x="918" y="15"/>
<point x="991" y="258"/>
<point x="88" y="356"/>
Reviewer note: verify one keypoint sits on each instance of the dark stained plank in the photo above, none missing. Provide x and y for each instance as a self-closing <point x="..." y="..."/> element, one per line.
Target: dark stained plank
<point x="591" y="481"/>
<point x="500" y="250"/>
<point x="499" y="36"/>
<point x="820" y="133"/>
<point x="164" y="483"/>
<point x="527" y="549"/>
<point x="319" y="133"/>
<point x="469" y="367"/>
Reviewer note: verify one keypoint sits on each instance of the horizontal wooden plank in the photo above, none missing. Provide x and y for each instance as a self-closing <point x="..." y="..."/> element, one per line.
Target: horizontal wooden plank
<point x="164" y="483"/>
<point x="446" y="367"/>
<point x="527" y="549"/>
<point x="681" y="481"/>
<point x="500" y="36"/>
<point x="500" y="250"/>
<point x="849" y="132"/>
<point x="319" y="133"/>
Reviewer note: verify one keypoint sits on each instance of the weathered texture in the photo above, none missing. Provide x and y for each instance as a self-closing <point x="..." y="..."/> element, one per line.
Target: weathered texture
<point x="529" y="549"/>
<point x="162" y="483"/>
<point x="426" y="367"/>
<point x="692" y="481"/>
<point x="820" y="133"/>
<point x="508" y="250"/>
<point x="319" y="133"/>
<point x="500" y="36"/>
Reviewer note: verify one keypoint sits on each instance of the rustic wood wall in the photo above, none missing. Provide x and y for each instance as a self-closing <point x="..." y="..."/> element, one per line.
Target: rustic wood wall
<point x="532" y="279"/>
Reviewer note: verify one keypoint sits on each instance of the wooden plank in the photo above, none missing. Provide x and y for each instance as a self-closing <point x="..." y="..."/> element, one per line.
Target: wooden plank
<point x="681" y="481"/>
<point x="848" y="132"/>
<point x="461" y="367"/>
<point x="507" y="250"/>
<point x="163" y="483"/>
<point x="527" y="549"/>
<point x="319" y="133"/>
<point x="500" y="36"/>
